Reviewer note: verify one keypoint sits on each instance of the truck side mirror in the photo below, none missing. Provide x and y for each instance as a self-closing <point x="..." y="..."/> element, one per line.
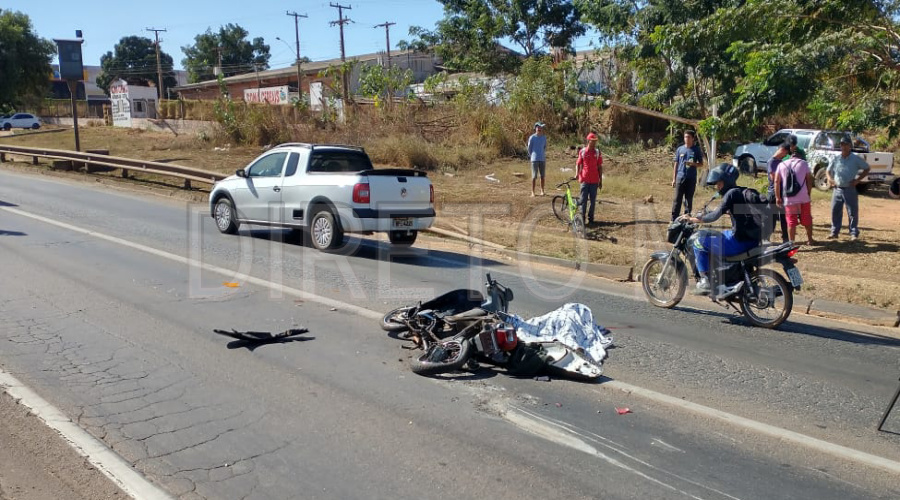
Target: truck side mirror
<point x="240" y="173"/>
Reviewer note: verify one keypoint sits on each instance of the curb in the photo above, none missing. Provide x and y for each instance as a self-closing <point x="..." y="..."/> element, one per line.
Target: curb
<point x="870" y="315"/>
<point x="608" y="271"/>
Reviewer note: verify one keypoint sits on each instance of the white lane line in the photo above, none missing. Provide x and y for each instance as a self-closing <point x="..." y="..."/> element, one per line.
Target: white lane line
<point x="759" y="427"/>
<point x="95" y="451"/>
<point x="311" y="297"/>
<point x="746" y="423"/>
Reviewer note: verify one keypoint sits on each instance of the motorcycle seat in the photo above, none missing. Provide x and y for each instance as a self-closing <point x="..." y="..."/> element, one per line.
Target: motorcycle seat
<point x="471" y="313"/>
<point x="749" y="254"/>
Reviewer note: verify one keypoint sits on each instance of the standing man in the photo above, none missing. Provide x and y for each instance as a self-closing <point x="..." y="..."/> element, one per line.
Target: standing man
<point x="778" y="213"/>
<point x="684" y="177"/>
<point x="589" y="166"/>
<point x="844" y="173"/>
<point x="537" y="147"/>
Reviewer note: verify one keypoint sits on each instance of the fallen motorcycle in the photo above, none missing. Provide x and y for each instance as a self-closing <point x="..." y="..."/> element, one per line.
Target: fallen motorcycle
<point x="455" y="330"/>
<point x="740" y="281"/>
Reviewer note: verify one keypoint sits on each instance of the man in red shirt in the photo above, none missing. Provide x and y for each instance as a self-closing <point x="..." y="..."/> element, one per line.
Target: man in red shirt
<point x="590" y="174"/>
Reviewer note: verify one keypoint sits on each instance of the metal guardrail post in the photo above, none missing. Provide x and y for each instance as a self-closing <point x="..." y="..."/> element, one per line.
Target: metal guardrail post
<point x="34" y="160"/>
<point x="2" y="157"/>
<point x="187" y="184"/>
<point x="124" y="173"/>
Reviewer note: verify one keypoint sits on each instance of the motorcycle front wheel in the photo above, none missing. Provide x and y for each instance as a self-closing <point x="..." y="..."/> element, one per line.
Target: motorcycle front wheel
<point x="772" y="301"/>
<point x="442" y="357"/>
<point x="663" y="290"/>
<point x="395" y="321"/>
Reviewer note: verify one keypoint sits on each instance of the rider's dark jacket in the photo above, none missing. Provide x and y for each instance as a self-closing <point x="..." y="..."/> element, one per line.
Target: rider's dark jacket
<point x="747" y="212"/>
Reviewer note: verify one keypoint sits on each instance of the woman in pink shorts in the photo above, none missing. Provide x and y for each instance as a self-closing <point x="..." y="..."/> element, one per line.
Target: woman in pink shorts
<point x="796" y="207"/>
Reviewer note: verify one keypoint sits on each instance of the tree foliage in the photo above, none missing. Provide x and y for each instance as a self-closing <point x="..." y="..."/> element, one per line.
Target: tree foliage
<point x="24" y="61"/>
<point x="134" y="60"/>
<point x="238" y="55"/>
<point x="468" y="37"/>
<point x="836" y="61"/>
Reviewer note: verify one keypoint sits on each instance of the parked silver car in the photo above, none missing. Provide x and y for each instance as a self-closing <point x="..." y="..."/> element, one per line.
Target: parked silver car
<point x="20" y="120"/>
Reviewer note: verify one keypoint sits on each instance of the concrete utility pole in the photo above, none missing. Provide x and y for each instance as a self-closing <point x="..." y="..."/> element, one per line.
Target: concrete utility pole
<point x="158" y="66"/>
<point x="387" y="39"/>
<point x="341" y="22"/>
<point x="297" y="38"/>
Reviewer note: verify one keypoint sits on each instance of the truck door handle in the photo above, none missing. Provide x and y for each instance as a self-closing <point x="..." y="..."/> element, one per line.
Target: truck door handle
<point x="276" y="189"/>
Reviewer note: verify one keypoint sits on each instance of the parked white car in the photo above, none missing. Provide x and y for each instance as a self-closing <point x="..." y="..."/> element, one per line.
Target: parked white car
<point x="20" y="120"/>
<point x="821" y="147"/>
<point x="325" y="191"/>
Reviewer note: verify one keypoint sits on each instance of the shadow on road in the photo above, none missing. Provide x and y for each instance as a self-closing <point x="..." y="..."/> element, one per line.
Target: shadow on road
<point x="251" y="345"/>
<point x="7" y="204"/>
<point x="376" y="250"/>
<point x="4" y="232"/>
<point x="844" y="334"/>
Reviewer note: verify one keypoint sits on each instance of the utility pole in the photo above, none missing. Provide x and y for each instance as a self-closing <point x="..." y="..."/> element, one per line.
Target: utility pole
<point x="158" y="66"/>
<point x="341" y="22"/>
<point x="387" y="39"/>
<point x="297" y="38"/>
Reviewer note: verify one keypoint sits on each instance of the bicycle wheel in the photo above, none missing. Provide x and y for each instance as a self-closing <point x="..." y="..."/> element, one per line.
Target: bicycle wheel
<point x="578" y="226"/>
<point x="560" y="207"/>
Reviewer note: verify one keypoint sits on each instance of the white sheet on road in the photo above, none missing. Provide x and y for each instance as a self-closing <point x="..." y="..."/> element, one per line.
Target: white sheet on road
<point x="572" y="324"/>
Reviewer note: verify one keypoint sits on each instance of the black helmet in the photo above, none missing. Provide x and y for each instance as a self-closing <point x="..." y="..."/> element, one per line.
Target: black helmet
<point x="723" y="172"/>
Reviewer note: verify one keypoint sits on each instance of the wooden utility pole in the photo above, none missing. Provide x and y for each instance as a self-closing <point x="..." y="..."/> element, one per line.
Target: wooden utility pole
<point x="297" y="39"/>
<point x="341" y="22"/>
<point x="158" y="67"/>
<point x="387" y="39"/>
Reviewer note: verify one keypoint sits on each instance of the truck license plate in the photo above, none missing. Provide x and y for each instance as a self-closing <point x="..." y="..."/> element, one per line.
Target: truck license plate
<point x="403" y="222"/>
<point x="794" y="275"/>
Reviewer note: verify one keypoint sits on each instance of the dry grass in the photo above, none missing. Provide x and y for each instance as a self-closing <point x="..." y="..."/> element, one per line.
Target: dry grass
<point x="503" y="212"/>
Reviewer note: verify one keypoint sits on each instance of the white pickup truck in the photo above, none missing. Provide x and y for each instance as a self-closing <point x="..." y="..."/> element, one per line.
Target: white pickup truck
<point x="325" y="191"/>
<point x="820" y="146"/>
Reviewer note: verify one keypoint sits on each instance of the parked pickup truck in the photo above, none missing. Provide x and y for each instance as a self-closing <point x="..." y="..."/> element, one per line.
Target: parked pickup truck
<point x="820" y="146"/>
<point x="324" y="191"/>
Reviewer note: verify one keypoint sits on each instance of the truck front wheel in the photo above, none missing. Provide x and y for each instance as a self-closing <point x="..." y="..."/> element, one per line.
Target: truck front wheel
<point x="894" y="189"/>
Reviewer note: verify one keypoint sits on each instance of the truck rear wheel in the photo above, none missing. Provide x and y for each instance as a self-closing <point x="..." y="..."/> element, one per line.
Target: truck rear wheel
<point x="894" y="189"/>
<point x="325" y="232"/>
<point x="821" y="179"/>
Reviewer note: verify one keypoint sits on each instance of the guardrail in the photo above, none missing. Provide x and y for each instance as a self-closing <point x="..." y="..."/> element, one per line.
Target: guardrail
<point x="126" y="164"/>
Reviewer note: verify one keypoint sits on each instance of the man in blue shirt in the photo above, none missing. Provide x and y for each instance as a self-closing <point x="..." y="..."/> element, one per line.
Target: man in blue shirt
<point x="537" y="147"/>
<point x="688" y="158"/>
<point x="844" y="174"/>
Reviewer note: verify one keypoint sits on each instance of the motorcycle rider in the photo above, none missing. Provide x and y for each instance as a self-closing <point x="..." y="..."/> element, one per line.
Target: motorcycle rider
<point x="744" y="205"/>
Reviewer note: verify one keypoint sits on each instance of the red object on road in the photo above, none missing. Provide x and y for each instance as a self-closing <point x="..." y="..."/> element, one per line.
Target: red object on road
<point x="622" y="411"/>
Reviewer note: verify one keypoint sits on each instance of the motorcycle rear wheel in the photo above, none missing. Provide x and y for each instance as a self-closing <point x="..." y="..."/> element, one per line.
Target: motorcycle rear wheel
<point x="670" y="289"/>
<point x="395" y="321"/>
<point x="442" y="357"/>
<point x="768" y="299"/>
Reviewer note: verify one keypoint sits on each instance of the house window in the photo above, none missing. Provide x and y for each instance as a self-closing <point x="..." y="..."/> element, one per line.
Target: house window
<point x="139" y="106"/>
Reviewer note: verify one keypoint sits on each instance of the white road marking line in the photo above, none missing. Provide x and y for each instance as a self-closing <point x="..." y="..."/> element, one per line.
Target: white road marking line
<point x="663" y="444"/>
<point x="753" y="425"/>
<point x="621" y="449"/>
<point x="746" y="423"/>
<point x="539" y="427"/>
<point x="95" y="451"/>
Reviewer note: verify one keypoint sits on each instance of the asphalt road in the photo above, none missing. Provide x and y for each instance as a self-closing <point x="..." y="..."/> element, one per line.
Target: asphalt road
<point x="102" y="315"/>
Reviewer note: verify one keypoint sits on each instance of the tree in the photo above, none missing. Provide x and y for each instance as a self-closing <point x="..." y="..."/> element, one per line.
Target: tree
<point x="228" y="49"/>
<point x="24" y="61"/>
<point x="133" y="59"/>
<point x="468" y="37"/>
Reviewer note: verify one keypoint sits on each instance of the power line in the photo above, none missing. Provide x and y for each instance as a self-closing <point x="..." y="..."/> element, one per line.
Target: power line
<point x="297" y="38"/>
<point x="159" y="86"/>
<point x="387" y="38"/>
<point x="341" y="22"/>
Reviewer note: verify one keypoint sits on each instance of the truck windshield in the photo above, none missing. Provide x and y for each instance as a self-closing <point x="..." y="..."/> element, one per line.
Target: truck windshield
<point x="339" y="161"/>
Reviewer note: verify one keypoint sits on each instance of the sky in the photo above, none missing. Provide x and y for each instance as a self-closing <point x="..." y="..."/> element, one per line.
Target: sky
<point x="103" y="24"/>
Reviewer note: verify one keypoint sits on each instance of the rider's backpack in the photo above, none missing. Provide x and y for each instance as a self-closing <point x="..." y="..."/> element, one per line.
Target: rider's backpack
<point x="791" y="185"/>
<point x="761" y="212"/>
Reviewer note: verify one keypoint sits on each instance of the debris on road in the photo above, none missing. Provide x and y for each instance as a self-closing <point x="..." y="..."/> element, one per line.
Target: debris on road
<point x="622" y="411"/>
<point x="542" y="378"/>
<point x="262" y="337"/>
<point x="231" y="284"/>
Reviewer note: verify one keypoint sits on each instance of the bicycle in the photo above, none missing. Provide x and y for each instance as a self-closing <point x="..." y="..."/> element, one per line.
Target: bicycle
<point x="565" y="208"/>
